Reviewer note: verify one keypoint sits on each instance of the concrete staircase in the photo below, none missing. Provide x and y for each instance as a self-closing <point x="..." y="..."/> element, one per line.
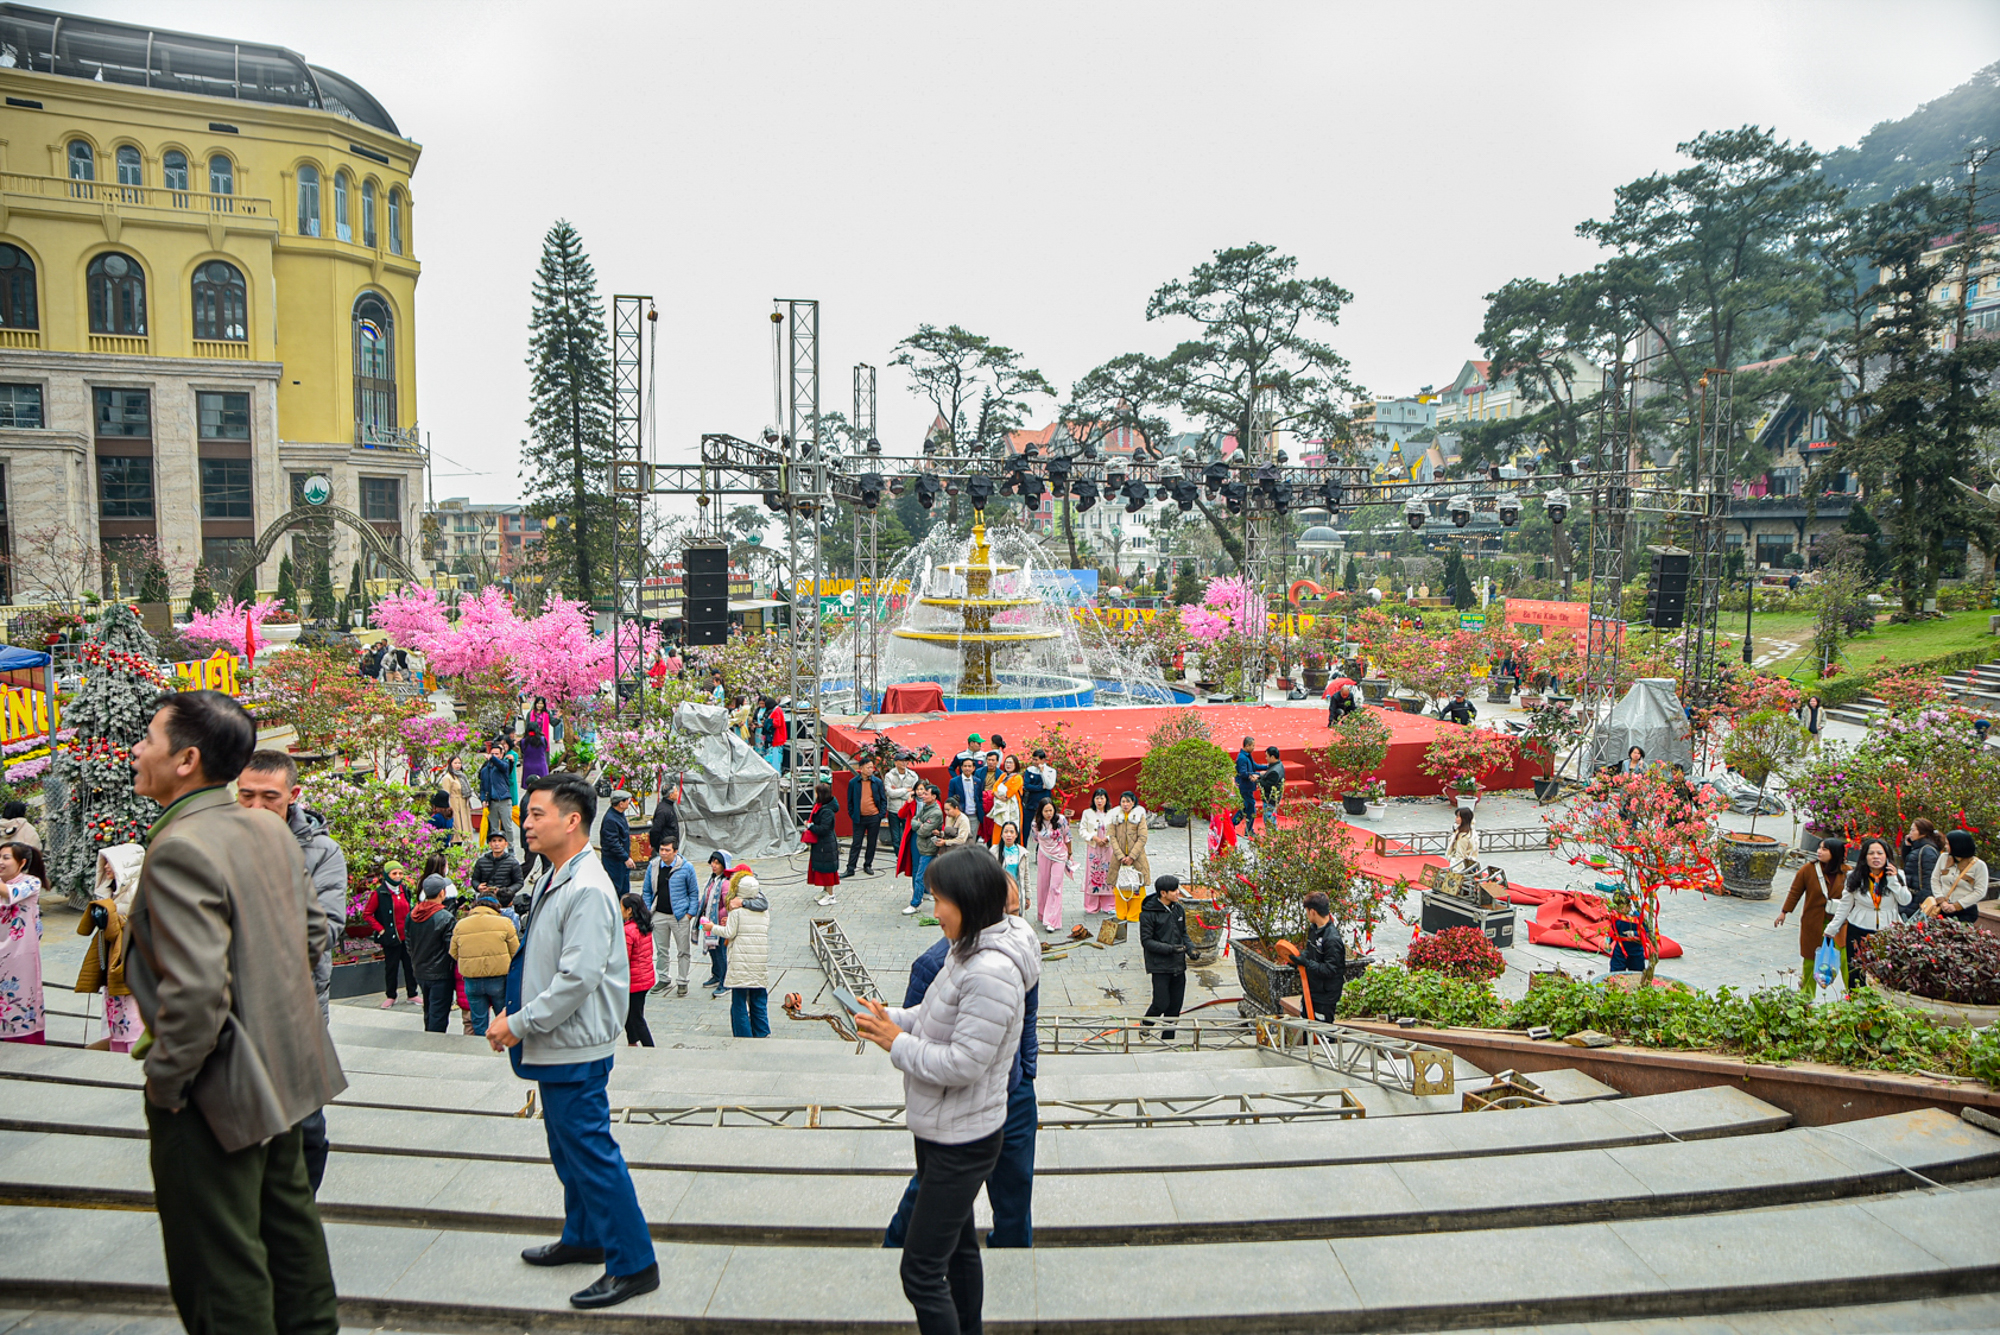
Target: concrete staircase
<point x="1977" y="688"/>
<point x="1701" y="1203"/>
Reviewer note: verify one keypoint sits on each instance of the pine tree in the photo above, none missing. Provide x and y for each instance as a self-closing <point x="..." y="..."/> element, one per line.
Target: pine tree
<point x="567" y="470"/>
<point x="153" y="584"/>
<point x="246" y="585"/>
<point x="1457" y="583"/>
<point x="1353" y="581"/>
<point x="202" y="596"/>
<point x="323" y="608"/>
<point x="1187" y="588"/>
<point x="91" y="802"/>
<point x="288" y="589"/>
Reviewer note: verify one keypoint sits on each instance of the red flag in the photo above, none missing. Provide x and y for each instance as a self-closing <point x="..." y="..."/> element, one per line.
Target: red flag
<point x="249" y="639"/>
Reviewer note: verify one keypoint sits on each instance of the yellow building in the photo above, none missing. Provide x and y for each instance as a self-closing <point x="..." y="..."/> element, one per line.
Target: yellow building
<point x="207" y="294"/>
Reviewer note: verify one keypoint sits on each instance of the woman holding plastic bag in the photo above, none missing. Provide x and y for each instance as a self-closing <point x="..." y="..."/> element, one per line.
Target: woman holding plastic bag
<point x="1817" y="885"/>
<point x="1875" y="892"/>
<point x="1134" y="874"/>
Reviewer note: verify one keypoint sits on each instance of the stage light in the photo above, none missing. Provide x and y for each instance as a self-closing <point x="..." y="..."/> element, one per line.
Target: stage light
<point x="928" y="490"/>
<point x="1509" y="506"/>
<point x="1184" y="494"/>
<point x="952" y="485"/>
<point x="1114" y="476"/>
<point x="1233" y="496"/>
<point x="874" y="445"/>
<point x="1460" y="509"/>
<point x="1086" y="495"/>
<point x="772" y="435"/>
<point x="1136" y="494"/>
<point x="871" y="490"/>
<point x="773" y="502"/>
<point x="897" y="486"/>
<point x="980" y="489"/>
<point x="1557" y="504"/>
<point x="1568" y="467"/>
<point x="1415" y="513"/>
<point x="1329" y="491"/>
<point x="1493" y="472"/>
<point x="1214" y="476"/>
<point x="1284" y="497"/>
<point x="1059" y="475"/>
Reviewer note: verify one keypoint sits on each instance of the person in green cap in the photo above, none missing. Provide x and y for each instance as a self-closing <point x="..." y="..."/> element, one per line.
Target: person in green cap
<point x="388" y="907"/>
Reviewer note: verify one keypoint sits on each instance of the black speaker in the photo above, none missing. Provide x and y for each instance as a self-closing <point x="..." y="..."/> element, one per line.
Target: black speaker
<point x="705" y="594"/>
<point x="1666" y="588"/>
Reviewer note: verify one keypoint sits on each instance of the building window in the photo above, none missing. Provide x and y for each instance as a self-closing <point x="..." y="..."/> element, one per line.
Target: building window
<point x="342" y="229"/>
<point x="381" y="499"/>
<point x="82" y="162"/>
<point x="21" y="406"/>
<point x="125" y="487"/>
<point x="395" y="221"/>
<point x="223" y="416"/>
<point x="221" y="176"/>
<point x="308" y="201"/>
<point x="225" y="489"/>
<point x="221" y="305"/>
<point x="18" y="306"/>
<point x="174" y="171"/>
<point x="129" y="170"/>
<point x="124" y="412"/>
<point x="117" y="295"/>
<point x="225" y="559"/>
<point x="368" y="214"/>
<point x="374" y="370"/>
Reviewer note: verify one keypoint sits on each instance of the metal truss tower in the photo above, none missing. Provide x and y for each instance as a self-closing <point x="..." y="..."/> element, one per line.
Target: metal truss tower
<point x="1610" y="516"/>
<point x="1261" y="552"/>
<point x="806" y="496"/>
<point x="867" y="564"/>
<point x="1708" y="487"/>
<point x="632" y="317"/>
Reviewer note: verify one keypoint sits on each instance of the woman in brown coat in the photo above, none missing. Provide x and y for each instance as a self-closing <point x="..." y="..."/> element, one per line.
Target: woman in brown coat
<point x="1814" y="889"/>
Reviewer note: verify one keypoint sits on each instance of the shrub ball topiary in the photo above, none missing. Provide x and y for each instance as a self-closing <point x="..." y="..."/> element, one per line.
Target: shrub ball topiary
<point x="1935" y="958"/>
<point x="1457" y="952"/>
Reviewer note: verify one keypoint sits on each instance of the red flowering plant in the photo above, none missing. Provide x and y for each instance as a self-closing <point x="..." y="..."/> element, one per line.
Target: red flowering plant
<point x="1456" y="952"/>
<point x="1925" y="763"/>
<point x="1434" y="666"/>
<point x="1935" y="958"/>
<point x="1649" y="829"/>
<point x="1313" y="852"/>
<point x="1359" y="745"/>
<point x="1458" y="756"/>
<point x="1075" y="758"/>
<point x="1907" y="688"/>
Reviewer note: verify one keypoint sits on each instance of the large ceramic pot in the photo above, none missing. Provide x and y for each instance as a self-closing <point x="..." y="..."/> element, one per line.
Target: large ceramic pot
<point x="279" y="633"/>
<point x="1498" y="691"/>
<point x="1546" y="789"/>
<point x="1354" y="805"/>
<point x="1263" y="979"/>
<point x="1809" y="840"/>
<point x="1749" y="862"/>
<point x="1316" y="679"/>
<point x="1951" y="1013"/>
<point x="1374" y="689"/>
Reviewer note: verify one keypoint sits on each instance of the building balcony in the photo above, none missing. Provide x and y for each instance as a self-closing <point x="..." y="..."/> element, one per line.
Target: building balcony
<point x="232" y="350"/>
<point x="408" y="440"/>
<point x="193" y="207"/>
<point x="20" y="338"/>
<point x="129" y="345"/>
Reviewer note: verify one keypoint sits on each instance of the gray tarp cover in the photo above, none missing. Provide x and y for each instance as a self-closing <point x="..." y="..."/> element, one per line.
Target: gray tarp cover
<point x="1650" y="717"/>
<point x="730" y="799"/>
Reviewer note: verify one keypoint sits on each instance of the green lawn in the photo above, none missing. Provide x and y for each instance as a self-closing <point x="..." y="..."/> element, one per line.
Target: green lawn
<point x="1884" y="647"/>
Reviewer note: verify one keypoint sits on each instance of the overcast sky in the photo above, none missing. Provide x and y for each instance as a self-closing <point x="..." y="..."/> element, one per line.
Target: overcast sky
<point x="1032" y="170"/>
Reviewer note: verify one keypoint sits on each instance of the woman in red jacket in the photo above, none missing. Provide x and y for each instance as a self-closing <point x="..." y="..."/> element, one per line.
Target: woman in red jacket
<point x="639" y="950"/>
<point x="388" y="908"/>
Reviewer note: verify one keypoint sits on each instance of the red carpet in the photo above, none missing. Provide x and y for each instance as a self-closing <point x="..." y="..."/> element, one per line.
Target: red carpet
<point x="1575" y="920"/>
<point x="1121" y="737"/>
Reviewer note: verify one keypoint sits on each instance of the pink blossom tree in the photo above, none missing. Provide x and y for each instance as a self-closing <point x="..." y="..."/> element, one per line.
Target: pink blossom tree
<point x="230" y="625"/>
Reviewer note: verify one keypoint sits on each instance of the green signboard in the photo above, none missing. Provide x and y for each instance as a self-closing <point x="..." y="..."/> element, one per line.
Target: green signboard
<point x="1472" y="621"/>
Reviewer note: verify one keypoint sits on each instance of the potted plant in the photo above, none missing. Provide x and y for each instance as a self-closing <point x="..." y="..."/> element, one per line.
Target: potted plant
<point x="1458" y="756"/>
<point x="1359" y="745"/>
<point x="1759" y="746"/>
<point x="1552" y="727"/>
<point x="1949" y="969"/>
<point x="1313" y="659"/>
<point x="1376" y="794"/>
<point x="1185" y="777"/>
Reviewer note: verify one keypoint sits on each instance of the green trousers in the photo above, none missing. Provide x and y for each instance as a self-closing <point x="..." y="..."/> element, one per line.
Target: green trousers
<point x="245" y="1251"/>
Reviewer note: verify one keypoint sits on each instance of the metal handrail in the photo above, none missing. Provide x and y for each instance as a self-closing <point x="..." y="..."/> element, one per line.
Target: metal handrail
<point x="1391" y="1063"/>
<point x="140" y="196"/>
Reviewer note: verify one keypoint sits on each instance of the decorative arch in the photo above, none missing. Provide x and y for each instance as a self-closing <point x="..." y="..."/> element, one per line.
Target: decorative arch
<point x="301" y="515"/>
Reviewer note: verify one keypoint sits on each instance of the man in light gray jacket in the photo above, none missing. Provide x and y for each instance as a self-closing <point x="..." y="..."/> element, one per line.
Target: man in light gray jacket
<point x="563" y="1025"/>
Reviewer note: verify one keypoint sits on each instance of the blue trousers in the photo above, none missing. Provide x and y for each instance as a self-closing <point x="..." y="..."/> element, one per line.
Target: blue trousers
<point x="600" y="1206"/>
<point x="620" y="874"/>
<point x="1247" y="794"/>
<point x="719" y="964"/>
<point x="484" y="995"/>
<point x="748" y="1013"/>
<point x="918" y="861"/>
<point x="1010" y="1190"/>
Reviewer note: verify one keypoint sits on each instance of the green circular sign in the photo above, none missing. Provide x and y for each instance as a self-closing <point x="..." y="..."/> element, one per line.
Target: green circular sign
<point x="317" y="489"/>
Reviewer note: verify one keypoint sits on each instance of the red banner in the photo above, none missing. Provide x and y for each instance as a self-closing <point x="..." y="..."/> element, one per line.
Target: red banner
<point x="1535" y="612"/>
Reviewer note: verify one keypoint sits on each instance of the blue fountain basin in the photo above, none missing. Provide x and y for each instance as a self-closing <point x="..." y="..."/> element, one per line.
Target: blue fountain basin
<point x="1018" y="691"/>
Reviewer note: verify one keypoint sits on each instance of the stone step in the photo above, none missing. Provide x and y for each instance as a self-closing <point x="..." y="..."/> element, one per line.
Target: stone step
<point x="1691" y="1115"/>
<point x="1902" y="1247"/>
<point x="1231" y="1204"/>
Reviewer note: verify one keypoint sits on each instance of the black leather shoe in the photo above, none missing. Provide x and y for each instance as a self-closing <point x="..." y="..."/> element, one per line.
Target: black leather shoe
<point x="561" y="1253"/>
<point x="610" y="1289"/>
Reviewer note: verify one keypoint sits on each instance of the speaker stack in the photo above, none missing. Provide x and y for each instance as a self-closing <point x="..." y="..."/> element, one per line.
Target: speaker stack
<point x="1667" y="588"/>
<point x="705" y="594"/>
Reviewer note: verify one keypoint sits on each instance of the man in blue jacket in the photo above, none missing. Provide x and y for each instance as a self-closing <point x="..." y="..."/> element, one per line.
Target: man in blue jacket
<point x="1246" y="784"/>
<point x="866" y="810"/>
<point x="1011" y="1188"/>
<point x="496" y="789"/>
<point x="614" y="843"/>
<point x="674" y="913"/>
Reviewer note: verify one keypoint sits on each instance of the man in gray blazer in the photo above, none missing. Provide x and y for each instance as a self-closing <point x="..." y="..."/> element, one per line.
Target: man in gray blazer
<point x="225" y="930"/>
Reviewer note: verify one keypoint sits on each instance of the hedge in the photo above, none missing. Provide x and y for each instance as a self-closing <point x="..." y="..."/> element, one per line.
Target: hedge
<point x="1848" y="687"/>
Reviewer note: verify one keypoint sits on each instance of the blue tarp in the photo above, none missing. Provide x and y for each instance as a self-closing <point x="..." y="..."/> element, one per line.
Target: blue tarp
<point x="15" y="660"/>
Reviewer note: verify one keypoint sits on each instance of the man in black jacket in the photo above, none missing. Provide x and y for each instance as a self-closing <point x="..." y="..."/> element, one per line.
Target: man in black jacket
<point x="497" y="869"/>
<point x="614" y="843"/>
<point x="666" y="824"/>
<point x="1460" y="710"/>
<point x="430" y="955"/>
<point x="1164" y="940"/>
<point x="1324" y="957"/>
<point x="866" y="811"/>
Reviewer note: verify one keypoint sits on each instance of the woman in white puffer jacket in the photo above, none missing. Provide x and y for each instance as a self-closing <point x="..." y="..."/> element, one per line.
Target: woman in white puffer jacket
<point x="954" y="1051"/>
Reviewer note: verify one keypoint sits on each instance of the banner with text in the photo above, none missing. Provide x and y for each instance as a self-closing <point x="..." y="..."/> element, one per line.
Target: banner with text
<point x="1535" y="612"/>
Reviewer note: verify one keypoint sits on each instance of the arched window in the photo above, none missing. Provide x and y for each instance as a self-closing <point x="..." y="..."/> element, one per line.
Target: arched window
<point x="129" y="171"/>
<point x="395" y="221"/>
<point x="342" y="228"/>
<point x="221" y="302"/>
<point x="221" y="176"/>
<point x="174" y="171"/>
<point x="82" y="161"/>
<point x="374" y="370"/>
<point x="18" y="307"/>
<point x="308" y="201"/>
<point x="117" y="295"/>
<point x="368" y="214"/>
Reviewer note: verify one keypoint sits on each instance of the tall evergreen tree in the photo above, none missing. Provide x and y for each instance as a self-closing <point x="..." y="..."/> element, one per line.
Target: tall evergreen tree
<point x="202" y="596"/>
<point x="288" y="588"/>
<point x="153" y="585"/>
<point x="91" y="801"/>
<point x="323" y="608"/>
<point x="567" y="470"/>
<point x="246" y="585"/>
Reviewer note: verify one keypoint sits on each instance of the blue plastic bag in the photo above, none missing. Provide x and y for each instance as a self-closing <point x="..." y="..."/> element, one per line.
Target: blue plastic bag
<point x="1826" y="962"/>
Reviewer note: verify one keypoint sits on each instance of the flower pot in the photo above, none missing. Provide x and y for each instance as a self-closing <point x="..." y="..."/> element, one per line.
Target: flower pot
<point x="1546" y="789"/>
<point x="1177" y="819"/>
<point x="1263" y="979"/>
<point x="1375" y="689"/>
<point x="1956" y="1014"/>
<point x="268" y="633"/>
<point x="1409" y="704"/>
<point x="1354" y="805"/>
<point x="1749" y="861"/>
<point x="1529" y="700"/>
<point x="1284" y="683"/>
<point x="1498" y="691"/>
<point x="1377" y="810"/>
<point x="1809" y="840"/>
<point x="1316" y="679"/>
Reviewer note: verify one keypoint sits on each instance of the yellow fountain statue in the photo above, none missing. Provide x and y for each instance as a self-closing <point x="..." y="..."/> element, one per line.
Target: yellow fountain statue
<point x="977" y="639"/>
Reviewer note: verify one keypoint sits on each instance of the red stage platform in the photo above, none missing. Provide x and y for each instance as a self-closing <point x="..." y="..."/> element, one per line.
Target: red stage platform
<point x="1121" y="736"/>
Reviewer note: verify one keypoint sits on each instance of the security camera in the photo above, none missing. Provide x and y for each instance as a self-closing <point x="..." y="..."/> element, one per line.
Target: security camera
<point x="1557" y="504"/>
<point x="1509" y="506"/>
<point x="1415" y="513"/>
<point x="1461" y="510"/>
